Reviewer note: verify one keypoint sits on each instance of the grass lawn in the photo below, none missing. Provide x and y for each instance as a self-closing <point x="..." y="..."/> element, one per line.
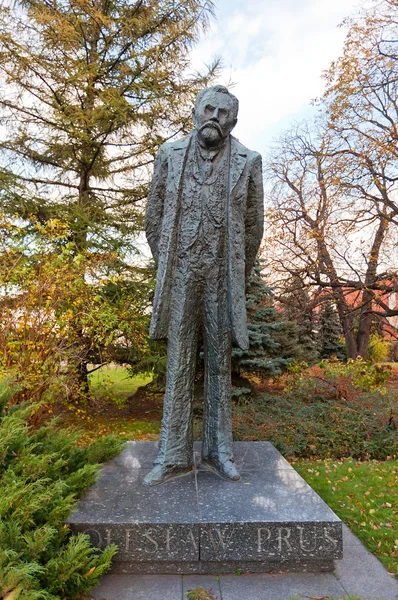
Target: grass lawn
<point x="365" y="496"/>
<point x="127" y="429"/>
<point x="114" y="383"/>
<point x="113" y="410"/>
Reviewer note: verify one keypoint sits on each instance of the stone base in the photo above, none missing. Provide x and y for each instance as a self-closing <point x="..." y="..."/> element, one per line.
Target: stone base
<point x="269" y="520"/>
<point x="227" y="567"/>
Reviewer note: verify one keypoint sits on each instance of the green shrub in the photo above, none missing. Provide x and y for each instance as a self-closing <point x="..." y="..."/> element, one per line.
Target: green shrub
<point x="42" y="473"/>
<point x="378" y="349"/>
<point x="325" y="415"/>
<point x="360" y="374"/>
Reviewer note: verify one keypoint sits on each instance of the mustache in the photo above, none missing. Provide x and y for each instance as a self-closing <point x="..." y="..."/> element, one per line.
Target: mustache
<point x="213" y="125"/>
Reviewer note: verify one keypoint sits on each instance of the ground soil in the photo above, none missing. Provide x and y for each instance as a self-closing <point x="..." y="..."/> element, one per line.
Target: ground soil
<point x="393" y="381"/>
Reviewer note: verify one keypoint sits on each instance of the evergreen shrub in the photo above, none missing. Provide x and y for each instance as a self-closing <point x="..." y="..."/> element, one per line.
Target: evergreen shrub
<point x="263" y="357"/>
<point x="299" y="334"/>
<point x="331" y="336"/>
<point x="42" y="474"/>
<point x="344" y="411"/>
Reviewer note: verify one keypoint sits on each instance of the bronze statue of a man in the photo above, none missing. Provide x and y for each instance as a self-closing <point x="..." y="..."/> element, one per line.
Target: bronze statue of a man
<point x="204" y="224"/>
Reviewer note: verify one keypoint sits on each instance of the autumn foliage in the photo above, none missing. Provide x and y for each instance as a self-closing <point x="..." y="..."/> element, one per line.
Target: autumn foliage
<point x="55" y="312"/>
<point x="333" y="211"/>
<point x="330" y="411"/>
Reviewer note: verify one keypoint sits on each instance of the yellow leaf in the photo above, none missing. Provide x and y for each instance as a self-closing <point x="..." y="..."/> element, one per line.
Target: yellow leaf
<point x="89" y="572"/>
<point x="13" y="594"/>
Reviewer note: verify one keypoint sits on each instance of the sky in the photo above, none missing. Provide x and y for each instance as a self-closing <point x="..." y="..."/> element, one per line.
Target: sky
<point x="274" y="51"/>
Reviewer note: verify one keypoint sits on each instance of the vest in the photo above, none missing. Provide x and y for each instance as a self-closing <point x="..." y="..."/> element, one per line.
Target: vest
<point x="203" y="205"/>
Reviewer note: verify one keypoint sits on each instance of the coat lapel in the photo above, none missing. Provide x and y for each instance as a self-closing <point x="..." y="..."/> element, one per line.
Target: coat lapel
<point x="238" y="162"/>
<point x="177" y="160"/>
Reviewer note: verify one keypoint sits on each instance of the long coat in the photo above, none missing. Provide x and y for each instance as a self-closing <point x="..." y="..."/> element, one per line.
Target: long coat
<point x="244" y="229"/>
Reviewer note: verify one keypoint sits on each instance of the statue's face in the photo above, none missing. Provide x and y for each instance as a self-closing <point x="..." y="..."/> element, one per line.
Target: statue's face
<point x="214" y="118"/>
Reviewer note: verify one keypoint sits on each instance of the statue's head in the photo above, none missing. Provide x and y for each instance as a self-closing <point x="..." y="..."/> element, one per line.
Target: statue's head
<point x="215" y="114"/>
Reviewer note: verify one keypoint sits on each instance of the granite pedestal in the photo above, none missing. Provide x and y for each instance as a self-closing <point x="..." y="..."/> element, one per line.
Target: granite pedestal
<point x="269" y="520"/>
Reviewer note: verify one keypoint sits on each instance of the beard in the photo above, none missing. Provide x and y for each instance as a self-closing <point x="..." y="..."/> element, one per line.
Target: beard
<point x="211" y="133"/>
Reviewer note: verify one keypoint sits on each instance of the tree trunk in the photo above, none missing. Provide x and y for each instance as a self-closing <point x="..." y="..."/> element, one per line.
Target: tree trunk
<point x="349" y="334"/>
<point x="83" y="201"/>
<point x="366" y="317"/>
<point x="365" y="323"/>
<point x="343" y="310"/>
<point x="83" y="377"/>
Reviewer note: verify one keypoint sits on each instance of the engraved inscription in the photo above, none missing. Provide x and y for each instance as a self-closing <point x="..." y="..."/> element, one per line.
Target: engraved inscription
<point x="308" y="543"/>
<point x="219" y="539"/>
<point x="302" y="541"/>
<point x="127" y="544"/>
<point x="263" y="535"/>
<point x="107" y="537"/>
<point x="191" y="539"/>
<point x="154" y="542"/>
<point x="95" y="537"/>
<point x="329" y="539"/>
<point x="283" y="536"/>
<point x="230" y="542"/>
<point x="152" y="546"/>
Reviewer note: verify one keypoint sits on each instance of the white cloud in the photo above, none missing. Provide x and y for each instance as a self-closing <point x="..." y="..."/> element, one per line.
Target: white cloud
<point x="275" y="53"/>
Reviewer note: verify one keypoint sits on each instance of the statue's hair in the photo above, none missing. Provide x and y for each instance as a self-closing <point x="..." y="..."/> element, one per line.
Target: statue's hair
<point x="222" y="90"/>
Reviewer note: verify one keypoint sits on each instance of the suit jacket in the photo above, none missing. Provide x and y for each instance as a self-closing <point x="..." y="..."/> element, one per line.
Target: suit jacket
<point x="244" y="222"/>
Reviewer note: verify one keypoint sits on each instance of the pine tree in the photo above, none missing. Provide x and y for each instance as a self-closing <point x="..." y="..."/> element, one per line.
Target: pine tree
<point x="262" y="357"/>
<point x="330" y="332"/>
<point x="299" y="332"/>
<point x="287" y="337"/>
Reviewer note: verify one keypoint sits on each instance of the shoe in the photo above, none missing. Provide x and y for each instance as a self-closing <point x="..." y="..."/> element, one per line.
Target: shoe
<point x="225" y="469"/>
<point x="162" y="473"/>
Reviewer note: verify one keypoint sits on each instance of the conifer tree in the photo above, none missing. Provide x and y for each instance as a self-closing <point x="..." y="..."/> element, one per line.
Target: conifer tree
<point x="299" y="332"/>
<point x="287" y="337"/>
<point x="262" y="357"/>
<point x="330" y="332"/>
<point x="89" y="89"/>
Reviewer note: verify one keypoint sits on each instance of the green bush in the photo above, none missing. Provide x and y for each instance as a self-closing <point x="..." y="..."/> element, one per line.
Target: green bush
<point x="359" y="374"/>
<point x="344" y="411"/>
<point x="378" y="349"/>
<point x="42" y="473"/>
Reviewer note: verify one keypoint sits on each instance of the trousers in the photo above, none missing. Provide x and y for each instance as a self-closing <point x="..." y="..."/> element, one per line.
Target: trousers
<point x="199" y="306"/>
